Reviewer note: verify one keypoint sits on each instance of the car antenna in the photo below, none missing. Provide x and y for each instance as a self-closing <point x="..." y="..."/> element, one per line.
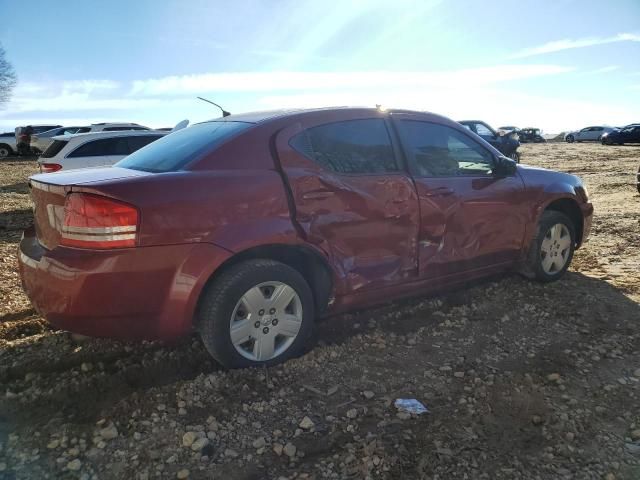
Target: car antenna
<point x="224" y="112"/>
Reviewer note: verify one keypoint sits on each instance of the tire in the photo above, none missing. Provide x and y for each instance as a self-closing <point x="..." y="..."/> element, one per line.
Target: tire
<point x="570" y="139"/>
<point x="226" y="301"/>
<point x="542" y="243"/>
<point x="5" y="150"/>
<point x="515" y="156"/>
<point x="599" y="138"/>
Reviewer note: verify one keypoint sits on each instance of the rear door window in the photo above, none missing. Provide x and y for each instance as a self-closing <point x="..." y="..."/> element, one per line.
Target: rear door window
<point x="102" y="147"/>
<point x="137" y="142"/>
<point x="173" y="152"/>
<point x="353" y="146"/>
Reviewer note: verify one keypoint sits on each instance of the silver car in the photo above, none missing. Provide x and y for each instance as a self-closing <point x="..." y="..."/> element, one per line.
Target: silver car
<point x="587" y="134"/>
<point x="40" y="141"/>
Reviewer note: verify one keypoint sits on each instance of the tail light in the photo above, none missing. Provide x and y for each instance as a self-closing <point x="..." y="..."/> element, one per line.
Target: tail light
<point x="92" y="221"/>
<point x="50" y="167"/>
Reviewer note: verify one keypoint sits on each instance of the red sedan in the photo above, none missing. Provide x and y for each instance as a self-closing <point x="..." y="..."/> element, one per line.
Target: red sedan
<point x="248" y="228"/>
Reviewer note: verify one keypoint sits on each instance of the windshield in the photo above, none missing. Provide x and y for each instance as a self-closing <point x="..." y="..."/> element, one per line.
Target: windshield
<point x="176" y="150"/>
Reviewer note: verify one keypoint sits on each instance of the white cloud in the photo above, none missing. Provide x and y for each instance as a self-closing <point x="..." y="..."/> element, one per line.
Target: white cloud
<point x="296" y="81"/>
<point x="568" y="44"/>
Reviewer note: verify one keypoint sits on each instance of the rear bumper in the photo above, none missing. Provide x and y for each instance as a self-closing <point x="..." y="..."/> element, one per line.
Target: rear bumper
<point x="130" y="293"/>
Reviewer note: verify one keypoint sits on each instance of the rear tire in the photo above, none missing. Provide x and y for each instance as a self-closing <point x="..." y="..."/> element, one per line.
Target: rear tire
<point x="252" y="298"/>
<point x="552" y="247"/>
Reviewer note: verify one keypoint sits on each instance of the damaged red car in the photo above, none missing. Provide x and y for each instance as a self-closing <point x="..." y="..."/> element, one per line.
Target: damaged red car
<point x="248" y="228"/>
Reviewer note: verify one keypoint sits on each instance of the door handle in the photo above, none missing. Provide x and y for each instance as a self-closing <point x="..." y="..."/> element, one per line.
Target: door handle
<point x="438" y="192"/>
<point x="320" y="195"/>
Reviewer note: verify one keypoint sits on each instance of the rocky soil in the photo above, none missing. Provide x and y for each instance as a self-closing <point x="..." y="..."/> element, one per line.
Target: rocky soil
<point x="522" y="380"/>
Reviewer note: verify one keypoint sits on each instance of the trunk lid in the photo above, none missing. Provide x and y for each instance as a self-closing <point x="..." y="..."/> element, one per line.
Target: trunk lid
<point x="49" y="190"/>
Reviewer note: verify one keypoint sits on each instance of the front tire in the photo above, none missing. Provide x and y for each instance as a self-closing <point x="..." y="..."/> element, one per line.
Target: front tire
<point x="259" y="312"/>
<point x="570" y="139"/>
<point x="5" y="151"/>
<point x="552" y="247"/>
<point x="515" y="156"/>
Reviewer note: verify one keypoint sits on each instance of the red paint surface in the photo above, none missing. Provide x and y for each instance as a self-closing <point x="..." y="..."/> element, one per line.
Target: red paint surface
<point x="382" y="236"/>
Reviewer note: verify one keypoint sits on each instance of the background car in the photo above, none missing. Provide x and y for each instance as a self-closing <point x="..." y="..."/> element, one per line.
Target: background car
<point x="8" y="144"/>
<point x="587" y="134"/>
<point x="93" y="149"/>
<point x="40" y="141"/>
<point x="530" y="134"/>
<point x="115" y="127"/>
<point x="506" y="143"/>
<point x="23" y="136"/>
<point x="508" y="129"/>
<point x="620" y="136"/>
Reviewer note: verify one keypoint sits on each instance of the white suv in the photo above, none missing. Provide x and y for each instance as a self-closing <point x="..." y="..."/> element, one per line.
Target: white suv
<point x="97" y="149"/>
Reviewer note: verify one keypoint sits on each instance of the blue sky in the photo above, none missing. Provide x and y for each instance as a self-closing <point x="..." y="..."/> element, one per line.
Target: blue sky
<point x="556" y="65"/>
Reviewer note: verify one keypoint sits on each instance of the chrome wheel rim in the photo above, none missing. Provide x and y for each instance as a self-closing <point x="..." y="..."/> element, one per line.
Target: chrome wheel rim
<point x="266" y="321"/>
<point x="555" y="249"/>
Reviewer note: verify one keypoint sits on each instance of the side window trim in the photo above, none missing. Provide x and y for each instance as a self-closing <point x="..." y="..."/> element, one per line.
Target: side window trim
<point x="404" y="144"/>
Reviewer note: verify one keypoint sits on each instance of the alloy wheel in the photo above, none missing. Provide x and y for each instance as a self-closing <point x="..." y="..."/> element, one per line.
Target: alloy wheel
<point x="4" y="152"/>
<point x="555" y="249"/>
<point x="266" y="321"/>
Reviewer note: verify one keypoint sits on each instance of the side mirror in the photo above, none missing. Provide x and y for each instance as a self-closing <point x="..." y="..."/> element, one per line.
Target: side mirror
<point x="504" y="167"/>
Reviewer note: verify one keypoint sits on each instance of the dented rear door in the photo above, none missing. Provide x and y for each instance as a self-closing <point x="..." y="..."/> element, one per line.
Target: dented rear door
<point x="352" y="198"/>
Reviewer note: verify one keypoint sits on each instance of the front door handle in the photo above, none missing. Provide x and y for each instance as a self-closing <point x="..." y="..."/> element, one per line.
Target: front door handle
<point x="438" y="192"/>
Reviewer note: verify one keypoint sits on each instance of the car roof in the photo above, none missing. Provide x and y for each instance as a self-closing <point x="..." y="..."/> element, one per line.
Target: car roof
<point x="117" y="123"/>
<point x="267" y="115"/>
<point x="118" y="133"/>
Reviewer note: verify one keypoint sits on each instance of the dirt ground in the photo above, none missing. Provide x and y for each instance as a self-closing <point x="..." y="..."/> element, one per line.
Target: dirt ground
<point x="522" y="380"/>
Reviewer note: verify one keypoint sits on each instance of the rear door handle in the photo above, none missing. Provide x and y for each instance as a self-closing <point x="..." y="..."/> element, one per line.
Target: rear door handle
<point x="320" y="195"/>
<point x="438" y="192"/>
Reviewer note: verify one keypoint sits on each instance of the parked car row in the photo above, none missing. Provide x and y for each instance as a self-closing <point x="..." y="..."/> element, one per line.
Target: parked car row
<point x="34" y="139"/>
<point x="248" y="228"/>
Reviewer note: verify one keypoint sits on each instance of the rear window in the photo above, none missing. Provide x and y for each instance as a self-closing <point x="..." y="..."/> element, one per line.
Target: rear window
<point x="54" y="149"/>
<point x="102" y="147"/>
<point x="136" y="143"/>
<point x="176" y="150"/>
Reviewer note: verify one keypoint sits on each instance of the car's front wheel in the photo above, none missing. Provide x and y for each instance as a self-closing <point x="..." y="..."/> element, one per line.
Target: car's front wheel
<point x="259" y="312"/>
<point x="551" y="249"/>
<point x="515" y="156"/>
<point x="570" y="139"/>
<point x="5" y="151"/>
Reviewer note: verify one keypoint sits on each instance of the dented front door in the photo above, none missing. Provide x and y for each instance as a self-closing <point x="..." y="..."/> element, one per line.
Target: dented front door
<point x="367" y="223"/>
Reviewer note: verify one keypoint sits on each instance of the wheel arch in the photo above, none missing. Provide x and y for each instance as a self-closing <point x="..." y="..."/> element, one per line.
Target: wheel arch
<point x="571" y="209"/>
<point x="313" y="267"/>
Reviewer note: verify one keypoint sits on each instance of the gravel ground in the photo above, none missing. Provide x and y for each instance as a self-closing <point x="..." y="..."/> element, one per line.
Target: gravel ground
<point x="522" y="380"/>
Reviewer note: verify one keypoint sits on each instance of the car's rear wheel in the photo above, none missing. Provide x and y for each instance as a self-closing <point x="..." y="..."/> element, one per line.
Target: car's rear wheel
<point x="5" y="151"/>
<point x="552" y="247"/>
<point x="515" y="156"/>
<point x="570" y="139"/>
<point x="259" y="312"/>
